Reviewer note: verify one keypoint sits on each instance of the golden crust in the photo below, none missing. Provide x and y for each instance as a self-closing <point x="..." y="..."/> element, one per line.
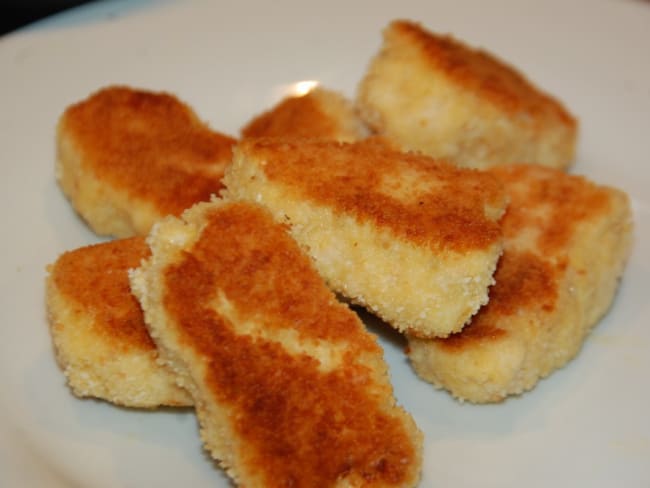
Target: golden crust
<point x="566" y="244"/>
<point x="434" y="94"/>
<point x="98" y="329"/>
<point x="289" y="387"/>
<point x="360" y="209"/>
<point x="449" y="211"/>
<point x="480" y="72"/>
<point x="320" y="113"/>
<point x="128" y="157"/>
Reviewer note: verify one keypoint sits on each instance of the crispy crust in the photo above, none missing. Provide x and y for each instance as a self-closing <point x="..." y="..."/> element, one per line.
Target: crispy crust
<point x="413" y="239"/>
<point x="566" y="244"/>
<point x="290" y="389"/>
<point x="128" y="157"/>
<point x="434" y="94"/>
<point x="98" y="330"/>
<point x="320" y="113"/>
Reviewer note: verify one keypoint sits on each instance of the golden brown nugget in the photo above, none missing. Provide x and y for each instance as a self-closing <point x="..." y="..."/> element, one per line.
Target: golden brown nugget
<point x="290" y="389"/>
<point x="414" y="240"/>
<point x="434" y="94"/>
<point x="320" y="113"/>
<point x="128" y="157"/>
<point x="566" y="244"/>
<point x="98" y="330"/>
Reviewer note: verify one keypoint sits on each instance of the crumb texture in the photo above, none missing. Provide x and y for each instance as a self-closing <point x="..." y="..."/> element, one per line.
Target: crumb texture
<point x="294" y="390"/>
<point x="128" y="157"/>
<point x="413" y="239"/>
<point x="566" y="244"/>
<point x="98" y="329"/>
<point x="435" y="94"/>
<point x="321" y="113"/>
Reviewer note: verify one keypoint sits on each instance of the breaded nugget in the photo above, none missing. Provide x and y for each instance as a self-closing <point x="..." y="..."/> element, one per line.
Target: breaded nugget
<point x="320" y="113"/>
<point x="414" y="240"/>
<point x="434" y="94"/>
<point x="566" y="244"/>
<point x="98" y="330"/>
<point x="128" y="157"/>
<point x="290" y="389"/>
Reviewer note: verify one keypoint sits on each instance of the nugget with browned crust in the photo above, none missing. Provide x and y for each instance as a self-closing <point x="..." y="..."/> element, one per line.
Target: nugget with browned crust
<point x="320" y="113"/>
<point x="433" y="93"/>
<point x="290" y="389"/>
<point x="566" y="244"/>
<point x="127" y="157"/>
<point x="413" y="239"/>
<point x="98" y="330"/>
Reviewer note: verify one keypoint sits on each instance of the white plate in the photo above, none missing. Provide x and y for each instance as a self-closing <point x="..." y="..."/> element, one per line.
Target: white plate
<point x="587" y="425"/>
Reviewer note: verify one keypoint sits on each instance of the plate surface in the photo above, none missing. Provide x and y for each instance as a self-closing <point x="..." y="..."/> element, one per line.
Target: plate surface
<point x="586" y="425"/>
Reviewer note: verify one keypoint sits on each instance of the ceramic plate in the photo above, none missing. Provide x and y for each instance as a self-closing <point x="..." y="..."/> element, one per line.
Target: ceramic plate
<point x="586" y="425"/>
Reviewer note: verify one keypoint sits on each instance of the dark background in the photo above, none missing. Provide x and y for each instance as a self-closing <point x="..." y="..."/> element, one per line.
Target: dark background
<point x="17" y="13"/>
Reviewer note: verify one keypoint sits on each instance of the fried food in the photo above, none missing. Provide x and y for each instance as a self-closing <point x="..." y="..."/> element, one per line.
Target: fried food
<point x="433" y="93"/>
<point x="128" y="157"/>
<point x="290" y="389"/>
<point x="321" y="113"/>
<point x="98" y="330"/>
<point x="413" y="239"/>
<point x="566" y="244"/>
